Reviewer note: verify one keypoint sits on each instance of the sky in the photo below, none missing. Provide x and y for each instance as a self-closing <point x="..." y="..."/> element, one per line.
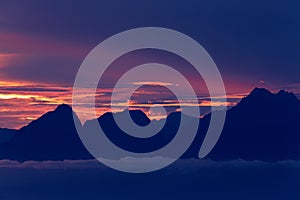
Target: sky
<point x="43" y="43"/>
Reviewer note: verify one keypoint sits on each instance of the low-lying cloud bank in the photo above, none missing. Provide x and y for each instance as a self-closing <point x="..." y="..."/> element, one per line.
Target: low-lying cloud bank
<point x="185" y="179"/>
<point x="186" y="165"/>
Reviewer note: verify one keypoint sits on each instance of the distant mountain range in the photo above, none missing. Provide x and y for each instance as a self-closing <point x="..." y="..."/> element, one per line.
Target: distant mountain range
<point x="51" y="137"/>
<point x="263" y="126"/>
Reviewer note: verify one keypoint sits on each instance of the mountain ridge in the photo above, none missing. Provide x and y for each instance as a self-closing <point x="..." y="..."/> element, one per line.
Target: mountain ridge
<point x="262" y="126"/>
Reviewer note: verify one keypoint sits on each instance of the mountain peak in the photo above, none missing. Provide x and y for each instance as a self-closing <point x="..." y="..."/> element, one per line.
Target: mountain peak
<point x="63" y="107"/>
<point x="138" y="116"/>
<point x="286" y="94"/>
<point x="257" y="97"/>
<point x="262" y="99"/>
<point x="259" y="92"/>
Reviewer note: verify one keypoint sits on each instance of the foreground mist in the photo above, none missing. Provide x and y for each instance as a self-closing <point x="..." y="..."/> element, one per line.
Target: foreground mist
<point x="185" y="179"/>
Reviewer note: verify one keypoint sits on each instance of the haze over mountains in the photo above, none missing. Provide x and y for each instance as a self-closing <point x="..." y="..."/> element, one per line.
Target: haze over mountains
<point x="263" y="126"/>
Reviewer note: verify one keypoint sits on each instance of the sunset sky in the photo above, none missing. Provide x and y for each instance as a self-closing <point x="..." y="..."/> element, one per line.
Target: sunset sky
<point x="43" y="43"/>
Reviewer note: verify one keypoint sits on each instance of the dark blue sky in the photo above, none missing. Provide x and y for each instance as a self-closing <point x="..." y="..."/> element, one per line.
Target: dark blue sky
<point x="43" y="43"/>
<point x="250" y="41"/>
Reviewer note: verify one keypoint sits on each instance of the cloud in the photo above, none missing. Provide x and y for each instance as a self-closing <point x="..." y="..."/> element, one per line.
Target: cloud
<point x="45" y="42"/>
<point x="33" y="88"/>
<point x="20" y="103"/>
<point x="51" y="164"/>
<point x="182" y="165"/>
<point x="37" y="58"/>
<point x="185" y="179"/>
<point x="154" y="83"/>
<point x="45" y="27"/>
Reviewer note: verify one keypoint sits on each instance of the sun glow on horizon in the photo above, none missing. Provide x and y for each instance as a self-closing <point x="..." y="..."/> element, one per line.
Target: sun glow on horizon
<point x="22" y="102"/>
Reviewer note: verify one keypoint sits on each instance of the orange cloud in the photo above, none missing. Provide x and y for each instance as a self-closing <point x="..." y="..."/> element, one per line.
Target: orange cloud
<point x="20" y="102"/>
<point x="154" y="83"/>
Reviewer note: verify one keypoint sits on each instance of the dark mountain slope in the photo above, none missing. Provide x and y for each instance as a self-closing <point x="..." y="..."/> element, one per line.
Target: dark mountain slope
<point x="263" y="126"/>
<point x="51" y="137"/>
<point x="6" y="135"/>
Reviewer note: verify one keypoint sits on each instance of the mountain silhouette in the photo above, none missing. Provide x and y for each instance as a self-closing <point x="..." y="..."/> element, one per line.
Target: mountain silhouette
<point x="262" y="126"/>
<point x="135" y="144"/>
<point x="51" y="137"/>
<point x="6" y="135"/>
